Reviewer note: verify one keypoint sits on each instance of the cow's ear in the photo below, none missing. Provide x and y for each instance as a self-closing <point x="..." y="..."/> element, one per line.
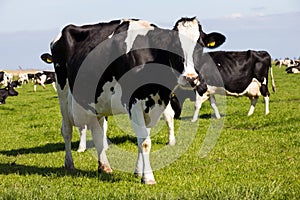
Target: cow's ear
<point x="213" y="40"/>
<point x="46" y="57"/>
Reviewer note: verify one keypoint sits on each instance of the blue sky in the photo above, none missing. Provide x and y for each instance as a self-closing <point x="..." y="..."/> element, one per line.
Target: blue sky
<point x="27" y="27"/>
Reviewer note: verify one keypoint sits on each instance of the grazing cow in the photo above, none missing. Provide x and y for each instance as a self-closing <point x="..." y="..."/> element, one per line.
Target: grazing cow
<point x="44" y="77"/>
<point x="16" y="83"/>
<point x="243" y="73"/>
<point x="7" y="91"/>
<point x="23" y="78"/>
<point x="121" y="67"/>
<point x="288" y="62"/>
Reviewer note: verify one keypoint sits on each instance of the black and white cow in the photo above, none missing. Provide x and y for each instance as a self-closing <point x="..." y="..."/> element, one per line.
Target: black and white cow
<point x="293" y="69"/>
<point x="287" y="62"/>
<point x="124" y="66"/>
<point x="42" y="78"/>
<point x="23" y="78"/>
<point x="243" y="73"/>
<point x="7" y="91"/>
<point x="4" y="78"/>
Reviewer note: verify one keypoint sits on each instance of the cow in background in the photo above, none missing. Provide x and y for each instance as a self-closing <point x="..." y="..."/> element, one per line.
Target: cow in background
<point x="287" y="62"/>
<point x="4" y="80"/>
<point x="293" y="69"/>
<point x="244" y="73"/>
<point x="23" y="78"/>
<point x="42" y="78"/>
<point x="7" y="91"/>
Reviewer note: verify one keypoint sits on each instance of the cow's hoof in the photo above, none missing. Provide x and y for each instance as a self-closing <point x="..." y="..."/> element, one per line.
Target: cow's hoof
<point x="194" y="120"/>
<point x="138" y="174"/>
<point x="69" y="166"/>
<point x="81" y="149"/>
<point x="104" y="168"/>
<point x="172" y="142"/>
<point x="148" y="182"/>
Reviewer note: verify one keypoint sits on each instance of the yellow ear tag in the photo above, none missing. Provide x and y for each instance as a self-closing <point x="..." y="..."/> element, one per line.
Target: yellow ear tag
<point x="172" y="95"/>
<point x="48" y="60"/>
<point x="211" y="44"/>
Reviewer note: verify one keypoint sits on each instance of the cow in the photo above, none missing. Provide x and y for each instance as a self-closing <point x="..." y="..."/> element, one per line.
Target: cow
<point x="293" y="69"/>
<point x="288" y="62"/>
<point x="42" y="78"/>
<point x="16" y="83"/>
<point x="243" y="73"/>
<point x="4" y="78"/>
<point x="121" y="67"/>
<point x="23" y="78"/>
<point x="7" y="91"/>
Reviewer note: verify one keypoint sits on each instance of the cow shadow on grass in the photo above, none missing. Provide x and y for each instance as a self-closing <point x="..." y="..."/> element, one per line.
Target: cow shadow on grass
<point x="48" y="148"/>
<point x="13" y="168"/>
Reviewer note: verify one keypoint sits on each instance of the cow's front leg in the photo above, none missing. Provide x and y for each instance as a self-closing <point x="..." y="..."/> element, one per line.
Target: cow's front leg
<point x="198" y="104"/>
<point x="99" y="137"/>
<point x="144" y="145"/>
<point x="143" y="166"/>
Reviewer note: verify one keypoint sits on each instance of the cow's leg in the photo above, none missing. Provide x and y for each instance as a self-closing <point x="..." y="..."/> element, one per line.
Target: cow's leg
<point x="34" y="87"/>
<point x="53" y="85"/>
<point x="213" y="104"/>
<point x="144" y="144"/>
<point x="66" y="131"/>
<point x="252" y="106"/>
<point x="99" y="137"/>
<point x="266" y="98"/>
<point x="169" y="117"/>
<point x="82" y="143"/>
<point x="198" y="104"/>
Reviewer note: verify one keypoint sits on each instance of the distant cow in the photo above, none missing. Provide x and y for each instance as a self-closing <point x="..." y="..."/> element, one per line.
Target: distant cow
<point x="243" y="73"/>
<point x="7" y="91"/>
<point x="288" y="62"/>
<point x="3" y="78"/>
<point x="16" y="83"/>
<point x="141" y="49"/>
<point x="44" y="77"/>
<point x="23" y="78"/>
<point x="293" y="69"/>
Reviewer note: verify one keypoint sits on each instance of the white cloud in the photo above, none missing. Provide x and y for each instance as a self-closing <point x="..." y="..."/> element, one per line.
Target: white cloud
<point x="235" y="16"/>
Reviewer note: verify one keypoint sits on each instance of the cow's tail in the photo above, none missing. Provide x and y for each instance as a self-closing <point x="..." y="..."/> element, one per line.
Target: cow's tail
<point x="272" y="79"/>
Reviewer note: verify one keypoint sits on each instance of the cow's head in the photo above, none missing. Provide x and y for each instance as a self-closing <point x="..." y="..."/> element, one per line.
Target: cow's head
<point x="192" y="41"/>
<point x="11" y="90"/>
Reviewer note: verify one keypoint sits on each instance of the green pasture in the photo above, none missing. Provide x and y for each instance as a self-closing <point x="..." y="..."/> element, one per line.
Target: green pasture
<point x="255" y="157"/>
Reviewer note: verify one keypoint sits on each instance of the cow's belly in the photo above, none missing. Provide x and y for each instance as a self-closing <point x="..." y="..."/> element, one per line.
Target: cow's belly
<point x="253" y="89"/>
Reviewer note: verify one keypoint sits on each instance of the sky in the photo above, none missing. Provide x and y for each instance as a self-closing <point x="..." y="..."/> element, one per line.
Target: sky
<point x="28" y="27"/>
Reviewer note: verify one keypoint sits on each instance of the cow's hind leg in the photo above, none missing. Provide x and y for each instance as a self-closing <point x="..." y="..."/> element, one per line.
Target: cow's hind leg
<point x="213" y="104"/>
<point x="252" y="106"/>
<point x="82" y="143"/>
<point x="265" y="92"/>
<point x="66" y="131"/>
<point x="98" y="130"/>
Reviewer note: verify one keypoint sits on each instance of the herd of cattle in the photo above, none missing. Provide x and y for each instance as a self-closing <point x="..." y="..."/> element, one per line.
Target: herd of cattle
<point x="38" y="78"/>
<point x="133" y="66"/>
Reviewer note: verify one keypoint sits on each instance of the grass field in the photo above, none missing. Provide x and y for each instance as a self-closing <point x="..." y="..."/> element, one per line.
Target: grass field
<point x="255" y="157"/>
